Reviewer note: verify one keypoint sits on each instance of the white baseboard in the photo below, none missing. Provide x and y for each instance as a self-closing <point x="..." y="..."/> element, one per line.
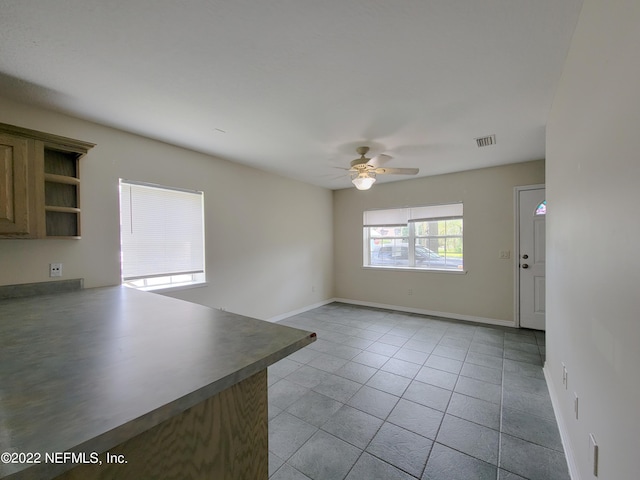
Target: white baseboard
<point x="277" y="318"/>
<point x="564" y="434"/>
<point x="421" y="311"/>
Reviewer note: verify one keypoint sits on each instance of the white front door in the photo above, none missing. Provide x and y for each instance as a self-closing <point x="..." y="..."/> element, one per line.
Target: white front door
<point x="532" y="257"/>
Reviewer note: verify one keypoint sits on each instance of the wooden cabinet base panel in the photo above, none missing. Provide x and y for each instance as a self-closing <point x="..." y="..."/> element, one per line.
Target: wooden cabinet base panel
<point x="223" y="438"/>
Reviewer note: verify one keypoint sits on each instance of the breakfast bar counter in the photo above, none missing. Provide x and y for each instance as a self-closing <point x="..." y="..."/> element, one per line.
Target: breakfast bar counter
<point x="118" y="383"/>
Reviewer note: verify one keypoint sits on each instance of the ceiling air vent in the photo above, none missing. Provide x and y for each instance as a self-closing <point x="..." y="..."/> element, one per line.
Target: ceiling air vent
<point x="486" y="141"/>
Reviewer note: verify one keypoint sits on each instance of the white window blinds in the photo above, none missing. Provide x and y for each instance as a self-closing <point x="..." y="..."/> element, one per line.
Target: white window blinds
<point x="161" y="231"/>
<point x="401" y="216"/>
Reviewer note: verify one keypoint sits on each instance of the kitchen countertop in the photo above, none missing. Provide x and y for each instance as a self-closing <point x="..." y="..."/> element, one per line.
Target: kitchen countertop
<point x="87" y="370"/>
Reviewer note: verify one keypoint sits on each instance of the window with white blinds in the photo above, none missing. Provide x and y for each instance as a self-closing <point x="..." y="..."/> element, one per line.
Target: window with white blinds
<point x="423" y="237"/>
<point x="161" y="235"/>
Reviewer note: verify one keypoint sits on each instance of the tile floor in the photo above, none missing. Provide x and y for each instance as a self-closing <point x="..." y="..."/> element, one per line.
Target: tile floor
<point x="388" y="395"/>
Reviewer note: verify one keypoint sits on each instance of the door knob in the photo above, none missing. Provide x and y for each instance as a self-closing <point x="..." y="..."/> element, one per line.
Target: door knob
<point x="524" y="265"/>
<point x="525" y="256"/>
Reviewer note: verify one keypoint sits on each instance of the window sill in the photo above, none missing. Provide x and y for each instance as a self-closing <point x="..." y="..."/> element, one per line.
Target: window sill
<point x="409" y="269"/>
<point x="170" y="288"/>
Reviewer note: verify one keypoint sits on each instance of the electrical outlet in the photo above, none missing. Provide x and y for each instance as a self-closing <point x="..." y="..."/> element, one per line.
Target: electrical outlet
<point x="575" y="404"/>
<point x="55" y="269"/>
<point x="410" y="291"/>
<point x="594" y="450"/>
<point x="505" y="254"/>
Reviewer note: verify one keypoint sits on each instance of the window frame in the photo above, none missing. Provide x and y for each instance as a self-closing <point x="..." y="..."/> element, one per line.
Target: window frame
<point x="410" y="216"/>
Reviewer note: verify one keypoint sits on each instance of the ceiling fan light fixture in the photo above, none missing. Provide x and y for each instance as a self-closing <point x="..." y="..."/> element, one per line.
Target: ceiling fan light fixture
<point x="363" y="180"/>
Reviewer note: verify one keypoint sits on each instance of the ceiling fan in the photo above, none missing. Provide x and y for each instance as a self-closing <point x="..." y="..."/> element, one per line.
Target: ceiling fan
<point x="364" y="170"/>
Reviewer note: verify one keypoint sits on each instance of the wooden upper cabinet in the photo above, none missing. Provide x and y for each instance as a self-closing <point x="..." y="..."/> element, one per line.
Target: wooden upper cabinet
<point x="40" y="184"/>
<point x="15" y="216"/>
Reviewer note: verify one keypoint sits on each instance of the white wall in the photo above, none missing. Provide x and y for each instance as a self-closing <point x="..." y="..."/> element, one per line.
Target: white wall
<point x="593" y="227"/>
<point x="269" y="240"/>
<point x="485" y="292"/>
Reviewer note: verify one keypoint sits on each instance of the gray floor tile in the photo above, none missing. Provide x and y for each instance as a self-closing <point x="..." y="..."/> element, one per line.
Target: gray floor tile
<point x="284" y="393"/>
<point x="308" y="376"/>
<point x="518" y="383"/>
<point x="389" y="382"/>
<point x="413" y="356"/>
<point x="353" y="426"/>
<point x="304" y="355"/>
<point x="521" y="346"/>
<point x="479" y="389"/>
<point x="287" y="472"/>
<point x="526" y="402"/>
<point x="343" y="351"/>
<point x="401" y="448"/>
<point x="357" y="342"/>
<point x="373" y="401"/>
<point x="429" y="335"/>
<point x="448" y="464"/>
<point x="504" y="475"/>
<point x="532" y="358"/>
<point x="338" y="388"/>
<point x="357" y="372"/>
<point x="531" y="428"/>
<point x="493" y="350"/>
<point x="527" y="336"/>
<point x="382" y="328"/>
<point x="475" y="410"/>
<point x="284" y="367"/>
<point x="368" y="334"/>
<point x="271" y="379"/>
<point x="435" y="365"/>
<point x="273" y="411"/>
<point x="442" y="363"/>
<point x="275" y="463"/>
<point x="484" y="360"/>
<point x="417" y="418"/>
<point x="325" y="457"/>
<point x="479" y="372"/>
<point x="450" y="352"/>
<point x="489" y="336"/>
<point x="428" y="395"/>
<point x="532" y="461"/>
<point x="456" y="342"/>
<point x="524" y="369"/>
<point x="393" y="340"/>
<point x="467" y="437"/>
<point x="326" y="362"/>
<point x="439" y="378"/>
<point x="287" y="434"/>
<point x="421" y="345"/>
<point x="314" y="408"/>
<point x="369" y="467"/>
<point x="371" y="359"/>
<point x="401" y="367"/>
<point x="320" y="345"/>
<point x="383" y="349"/>
<point x="402" y="331"/>
<point x="331" y="336"/>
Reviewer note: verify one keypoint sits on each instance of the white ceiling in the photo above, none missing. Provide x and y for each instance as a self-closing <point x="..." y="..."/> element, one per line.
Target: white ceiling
<point x="294" y="86"/>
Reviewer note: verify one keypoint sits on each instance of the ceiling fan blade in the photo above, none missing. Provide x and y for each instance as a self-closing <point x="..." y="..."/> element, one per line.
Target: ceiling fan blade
<point x="379" y="160"/>
<point x="397" y="171"/>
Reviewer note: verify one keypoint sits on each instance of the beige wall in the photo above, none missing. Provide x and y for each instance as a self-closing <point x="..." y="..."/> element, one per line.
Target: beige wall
<point x="485" y="292"/>
<point x="269" y="240"/>
<point x="593" y="227"/>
